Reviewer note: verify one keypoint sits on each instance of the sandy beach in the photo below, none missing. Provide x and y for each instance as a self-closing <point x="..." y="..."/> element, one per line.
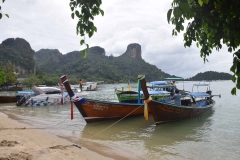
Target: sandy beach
<point x="19" y="142"/>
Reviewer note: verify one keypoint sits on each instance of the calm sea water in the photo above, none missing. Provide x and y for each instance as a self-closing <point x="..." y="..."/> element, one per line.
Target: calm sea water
<point x="214" y="135"/>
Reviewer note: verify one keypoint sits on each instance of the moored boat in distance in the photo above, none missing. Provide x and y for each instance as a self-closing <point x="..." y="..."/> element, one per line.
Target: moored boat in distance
<point x="133" y="96"/>
<point x="192" y="104"/>
<point x="45" y="96"/>
<point x="88" y="86"/>
<point x="158" y="90"/>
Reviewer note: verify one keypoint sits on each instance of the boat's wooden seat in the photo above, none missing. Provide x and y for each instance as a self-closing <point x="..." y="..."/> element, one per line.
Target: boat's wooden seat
<point x="186" y="102"/>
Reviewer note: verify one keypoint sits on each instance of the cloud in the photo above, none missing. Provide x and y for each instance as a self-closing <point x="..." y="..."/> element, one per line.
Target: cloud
<point x="48" y="24"/>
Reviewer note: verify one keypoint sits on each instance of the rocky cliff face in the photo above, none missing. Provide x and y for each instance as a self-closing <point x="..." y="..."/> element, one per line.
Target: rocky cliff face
<point x="25" y="60"/>
<point x="134" y="50"/>
<point x="19" y="52"/>
<point x="96" y="50"/>
<point x="47" y="54"/>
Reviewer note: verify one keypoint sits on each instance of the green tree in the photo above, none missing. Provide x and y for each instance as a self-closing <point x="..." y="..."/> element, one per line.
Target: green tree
<point x="30" y="81"/>
<point x="2" y="78"/>
<point x="1" y="14"/>
<point x="9" y="72"/>
<point x="211" y="23"/>
<point x="85" y="11"/>
<point x="2" y="75"/>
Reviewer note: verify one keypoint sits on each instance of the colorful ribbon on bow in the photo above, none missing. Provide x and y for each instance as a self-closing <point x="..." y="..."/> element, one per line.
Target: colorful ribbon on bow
<point x="146" y="107"/>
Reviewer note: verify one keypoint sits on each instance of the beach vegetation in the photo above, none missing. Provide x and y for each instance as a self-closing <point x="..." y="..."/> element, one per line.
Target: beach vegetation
<point x="7" y="75"/>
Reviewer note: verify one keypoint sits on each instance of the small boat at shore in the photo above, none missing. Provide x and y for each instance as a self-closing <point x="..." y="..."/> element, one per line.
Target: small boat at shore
<point x="157" y="89"/>
<point x="45" y="96"/>
<point x="88" y="86"/>
<point x="192" y="104"/>
<point x="96" y="110"/>
<point x="14" y="98"/>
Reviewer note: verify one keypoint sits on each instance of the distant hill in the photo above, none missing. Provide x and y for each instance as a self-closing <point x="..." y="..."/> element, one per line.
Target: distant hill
<point x="98" y="66"/>
<point x="211" y="75"/>
<point x="95" y="67"/>
<point x="19" y="52"/>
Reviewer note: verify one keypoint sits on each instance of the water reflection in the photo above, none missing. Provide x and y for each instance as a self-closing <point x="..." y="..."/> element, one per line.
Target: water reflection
<point x="137" y="127"/>
<point x="144" y="138"/>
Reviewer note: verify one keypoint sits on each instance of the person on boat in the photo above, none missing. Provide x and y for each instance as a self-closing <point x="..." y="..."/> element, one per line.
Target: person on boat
<point x="177" y="97"/>
<point x="61" y="86"/>
<point x="171" y="92"/>
<point x="80" y="84"/>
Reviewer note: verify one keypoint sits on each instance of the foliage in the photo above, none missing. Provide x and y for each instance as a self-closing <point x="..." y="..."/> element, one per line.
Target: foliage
<point x="85" y="14"/>
<point x="2" y="75"/>
<point x="9" y="73"/>
<point x="2" y="78"/>
<point x="46" y="80"/>
<point x="211" y="23"/>
<point x="1" y="14"/>
<point x="30" y="81"/>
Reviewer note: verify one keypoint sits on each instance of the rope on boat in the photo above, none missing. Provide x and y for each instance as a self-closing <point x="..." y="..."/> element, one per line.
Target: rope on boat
<point x="115" y="122"/>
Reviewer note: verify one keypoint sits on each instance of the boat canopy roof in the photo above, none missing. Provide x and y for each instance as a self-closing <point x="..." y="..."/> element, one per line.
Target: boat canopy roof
<point x="173" y="79"/>
<point x="161" y="86"/>
<point x="198" y="94"/>
<point x="201" y="85"/>
<point x="152" y="92"/>
<point x="158" y="82"/>
<point x="25" y="92"/>
<point x="47" y="90"/>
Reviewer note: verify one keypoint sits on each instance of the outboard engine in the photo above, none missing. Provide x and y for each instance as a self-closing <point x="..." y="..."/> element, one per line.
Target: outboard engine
<point x="210" y="93"/>
<point x="23" y="100"/>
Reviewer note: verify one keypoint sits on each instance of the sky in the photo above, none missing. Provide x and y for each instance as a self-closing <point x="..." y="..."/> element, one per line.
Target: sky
<point x="48" y="24"/>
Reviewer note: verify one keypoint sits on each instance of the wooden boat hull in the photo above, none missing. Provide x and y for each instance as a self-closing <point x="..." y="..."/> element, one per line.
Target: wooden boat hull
<point x="95" y="111"/>
<point x="165" y="112"/>
<point x="9" y="99"/>
<point x="12" y="89"/>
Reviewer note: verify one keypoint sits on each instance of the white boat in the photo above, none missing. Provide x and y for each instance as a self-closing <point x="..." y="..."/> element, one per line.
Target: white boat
<point x="88" y="86"/>
<point x="47" y="96"/>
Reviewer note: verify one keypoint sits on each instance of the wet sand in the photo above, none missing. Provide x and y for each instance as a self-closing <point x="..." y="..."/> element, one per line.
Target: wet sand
<point x="23" y="142"/>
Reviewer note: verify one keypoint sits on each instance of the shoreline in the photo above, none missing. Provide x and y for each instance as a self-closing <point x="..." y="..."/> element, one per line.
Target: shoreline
<point x="19" y="141"/>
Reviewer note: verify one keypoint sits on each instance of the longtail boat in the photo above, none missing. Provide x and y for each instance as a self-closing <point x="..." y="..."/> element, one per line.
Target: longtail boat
<point x="96" y="110"/>
<point x="192" y="104"/>
<point x="14" y="98"/>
